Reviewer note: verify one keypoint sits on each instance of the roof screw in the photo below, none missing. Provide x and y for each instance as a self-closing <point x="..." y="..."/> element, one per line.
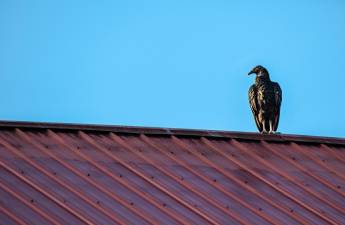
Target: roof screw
<point x="88" y="174"/>
<point x="120" y="175"/>
<point x="172" y="153"/>
<point x="32" y="201"/>
<point x="64" y="201"/>
<point x="78" y="147"/>
<point x="246" y="182"/>
<point x="181" y="178"/>
<point x="54" y="173"/>
<point x="338" y="186"/>
<point x="47" y="146"/>
<point x="109" y="148"/>
<point x="232" y="155"/>
<point x="152" y="177"/>
<point x="98" y="202"/>
<point x="276" y="183"/>
<point x="164" y="205"/>
<point x="22" y="172"/>
<point x="291" y="210"/>
<point x="260" y="209"/>
<point x="227" y="207"/>
<point x="214" y="180"/>
<point x="293" y="158"/>
<point x="131" y="203"/>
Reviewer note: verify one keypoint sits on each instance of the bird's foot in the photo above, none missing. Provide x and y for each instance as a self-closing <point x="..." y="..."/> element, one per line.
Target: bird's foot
<point x="264" y="132"/>
<point x="274" y="132"/>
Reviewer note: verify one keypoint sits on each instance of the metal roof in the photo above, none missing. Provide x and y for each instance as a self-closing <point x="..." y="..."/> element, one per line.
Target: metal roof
<point x="91" y="174"/>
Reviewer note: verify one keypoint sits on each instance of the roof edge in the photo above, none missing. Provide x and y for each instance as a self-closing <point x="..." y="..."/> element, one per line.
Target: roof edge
<point x="172" y="131"/>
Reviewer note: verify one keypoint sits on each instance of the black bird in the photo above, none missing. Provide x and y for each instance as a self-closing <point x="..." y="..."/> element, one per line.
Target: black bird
<point x="265" y="97"/>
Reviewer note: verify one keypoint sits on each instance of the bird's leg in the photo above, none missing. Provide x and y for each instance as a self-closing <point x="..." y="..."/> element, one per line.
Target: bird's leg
<point x="264" y="131"/>
<point x="271" y="128"/>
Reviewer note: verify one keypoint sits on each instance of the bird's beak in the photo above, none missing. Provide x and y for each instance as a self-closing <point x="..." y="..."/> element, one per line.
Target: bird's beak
<point x="251" y="72"/>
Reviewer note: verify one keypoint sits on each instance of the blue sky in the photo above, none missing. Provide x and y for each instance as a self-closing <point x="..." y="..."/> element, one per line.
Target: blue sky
<point x="172" y="63"/>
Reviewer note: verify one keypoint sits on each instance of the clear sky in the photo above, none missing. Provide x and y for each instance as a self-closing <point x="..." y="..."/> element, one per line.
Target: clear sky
<point x="177" y="63"/>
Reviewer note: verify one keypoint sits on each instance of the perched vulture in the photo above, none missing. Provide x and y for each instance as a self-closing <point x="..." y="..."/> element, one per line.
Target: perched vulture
<point x="265" y="97"/>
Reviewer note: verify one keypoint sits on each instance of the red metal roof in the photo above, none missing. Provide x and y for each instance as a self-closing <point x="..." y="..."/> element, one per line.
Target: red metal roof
<point x="89" y="174"/>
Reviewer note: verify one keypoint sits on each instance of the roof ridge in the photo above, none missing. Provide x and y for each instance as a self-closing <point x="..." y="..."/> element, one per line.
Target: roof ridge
<point x="173" y="131"/>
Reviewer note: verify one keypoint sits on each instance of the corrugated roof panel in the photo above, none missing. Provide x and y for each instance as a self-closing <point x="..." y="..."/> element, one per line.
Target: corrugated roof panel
<point x="216" y="158"/>
<point x="87" y="174"/>
<point x="290" y="180"/>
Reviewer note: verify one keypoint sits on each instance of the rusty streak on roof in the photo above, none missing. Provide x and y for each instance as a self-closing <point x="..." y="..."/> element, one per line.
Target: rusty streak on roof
<point x="90" y="174"/>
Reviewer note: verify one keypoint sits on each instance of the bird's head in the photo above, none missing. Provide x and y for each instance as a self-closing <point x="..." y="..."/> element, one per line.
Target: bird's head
<point x="260" y="71"/>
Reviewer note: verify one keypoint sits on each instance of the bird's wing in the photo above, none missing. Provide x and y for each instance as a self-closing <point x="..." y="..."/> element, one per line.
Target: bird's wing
<point x="278" y="100"/>
<point x="252" y="94"/>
